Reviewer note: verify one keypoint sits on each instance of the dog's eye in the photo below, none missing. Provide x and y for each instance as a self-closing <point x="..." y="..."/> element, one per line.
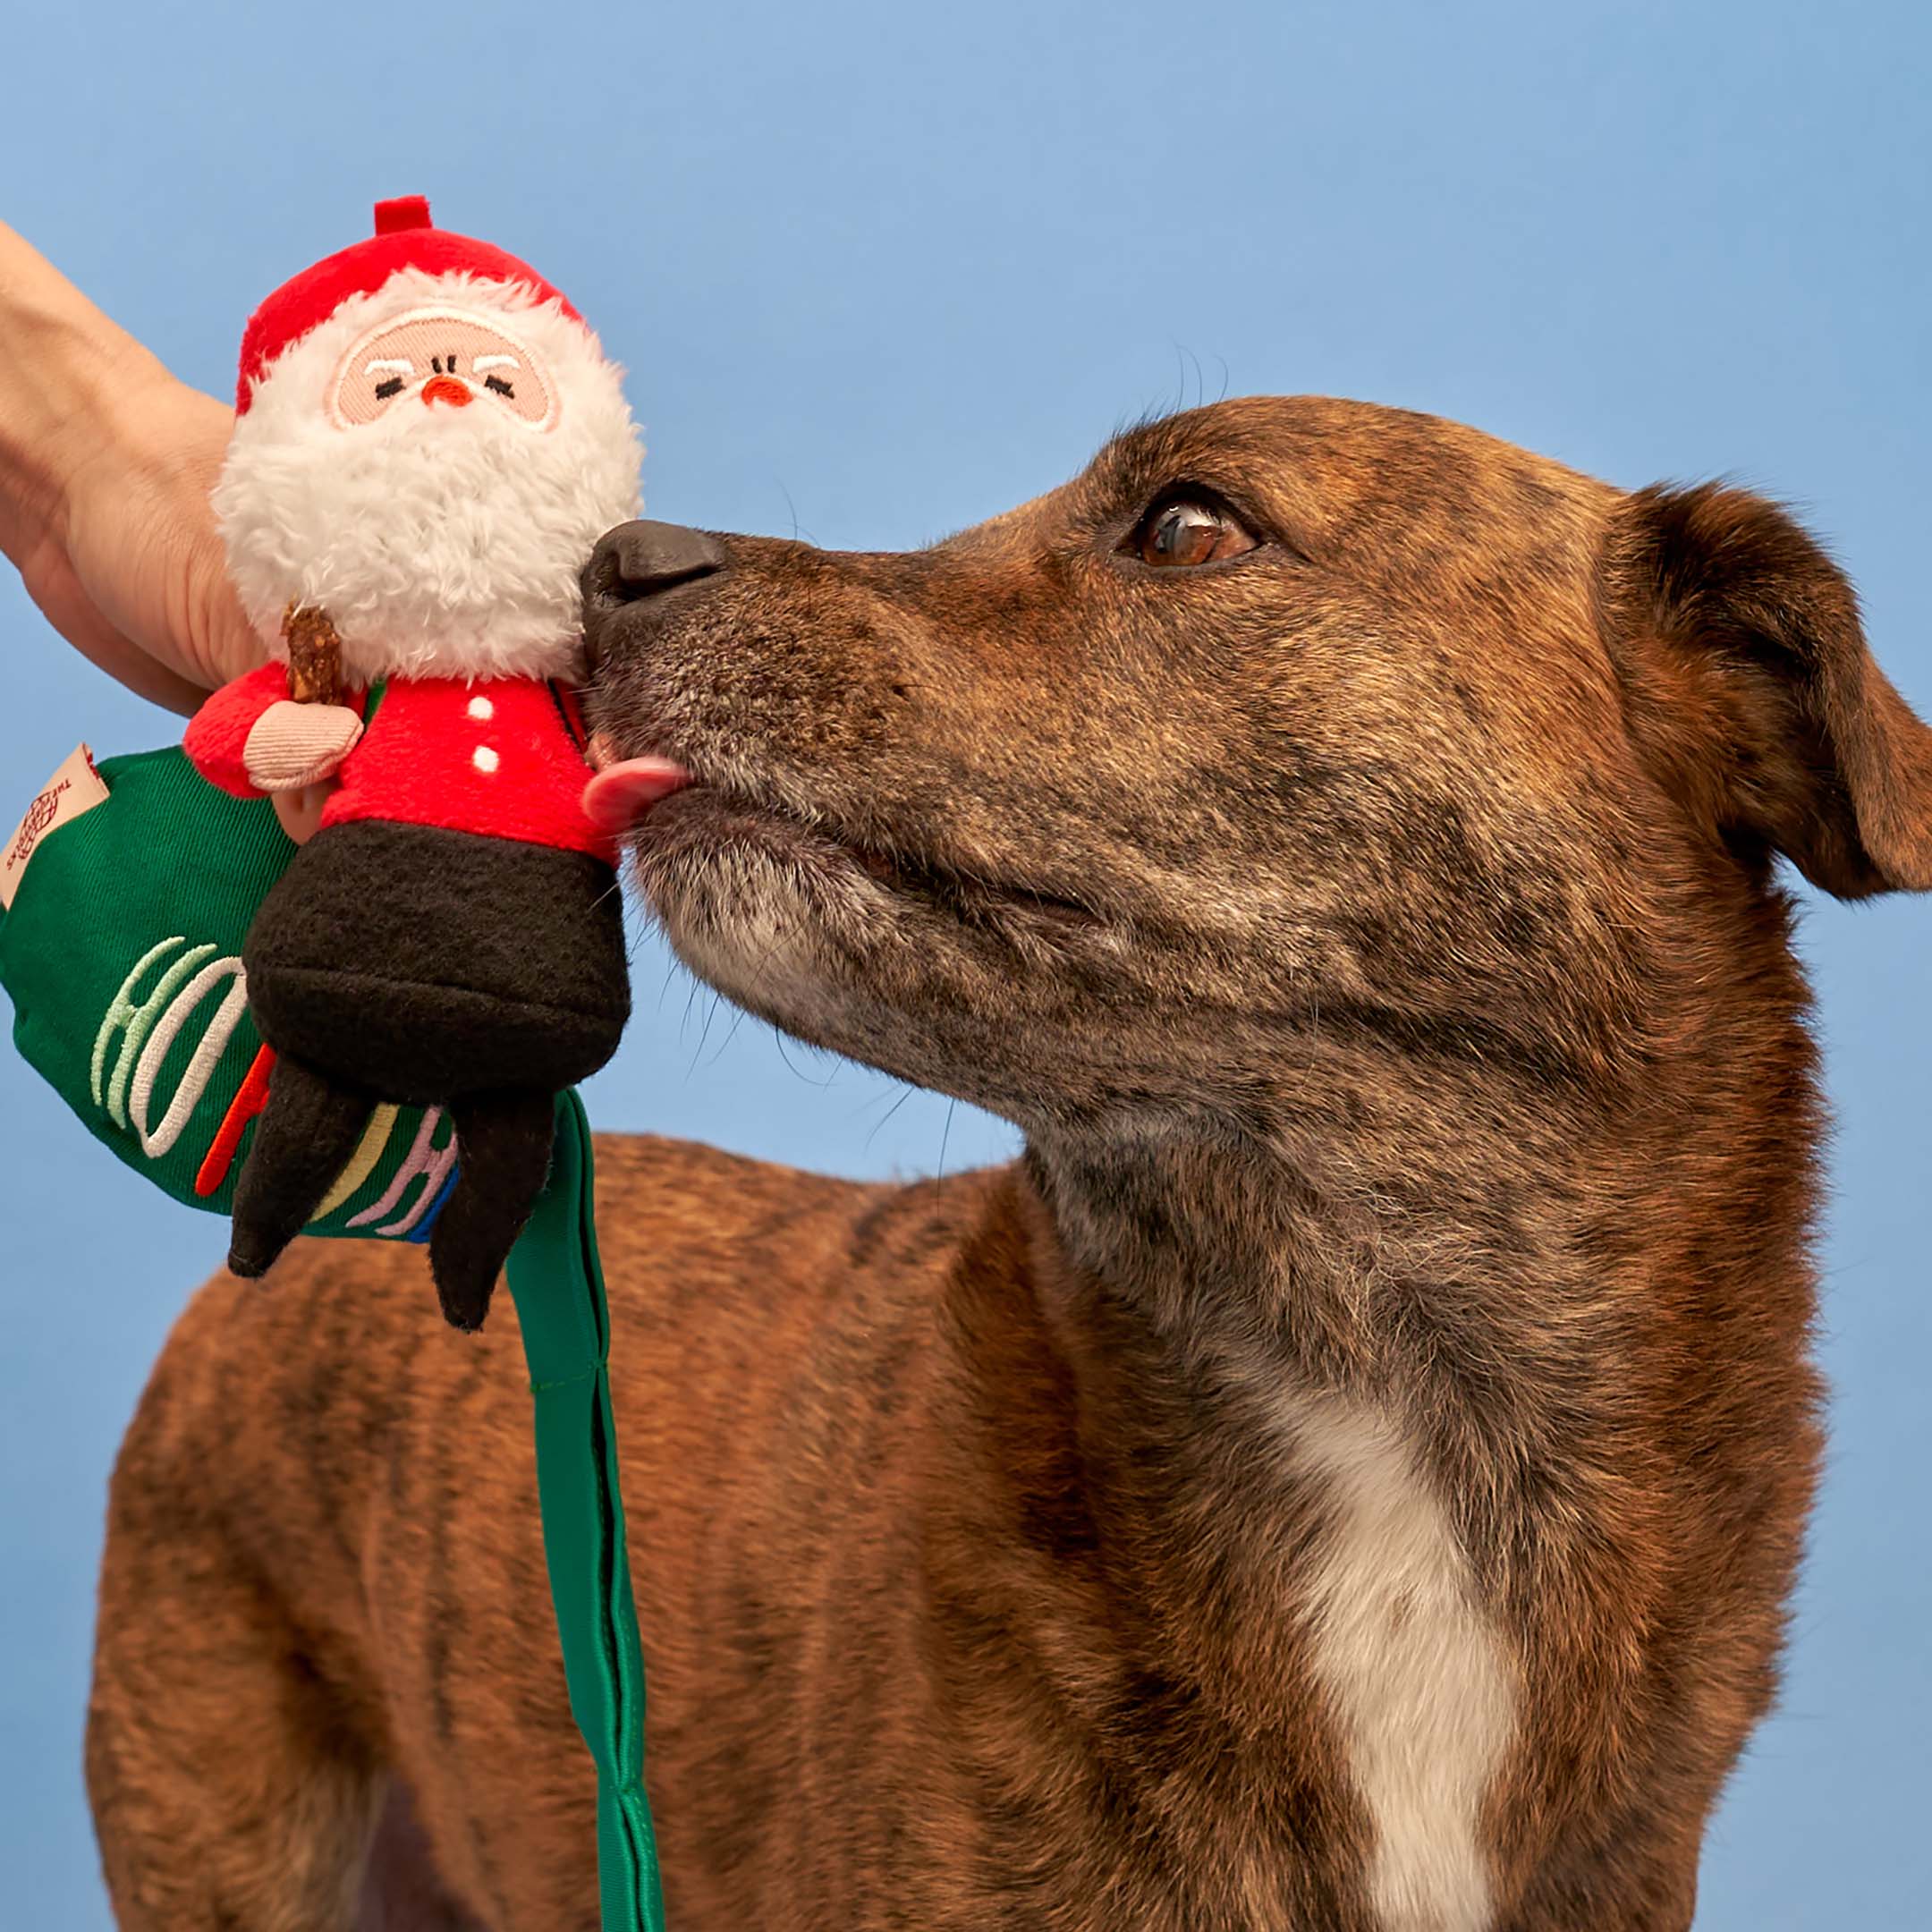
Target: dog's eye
<point x="1188" y="531"/>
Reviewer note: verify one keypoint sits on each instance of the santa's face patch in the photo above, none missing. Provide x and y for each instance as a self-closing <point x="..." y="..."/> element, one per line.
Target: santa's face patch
<point x="441" y="358"/>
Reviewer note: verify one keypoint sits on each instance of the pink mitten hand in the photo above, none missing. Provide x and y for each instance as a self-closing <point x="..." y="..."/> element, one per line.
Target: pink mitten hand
<point x="291" y="745"/>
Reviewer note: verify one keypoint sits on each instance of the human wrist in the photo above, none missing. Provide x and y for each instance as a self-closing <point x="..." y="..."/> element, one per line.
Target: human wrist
<point x="72" y="387"/>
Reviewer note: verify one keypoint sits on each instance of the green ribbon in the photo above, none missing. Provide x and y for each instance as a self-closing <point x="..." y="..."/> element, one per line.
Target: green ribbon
<point x="558" y="1287"/>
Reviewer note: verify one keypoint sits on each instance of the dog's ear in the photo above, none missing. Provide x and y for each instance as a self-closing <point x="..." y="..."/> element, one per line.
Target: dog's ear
<point x="1751" y="694"/>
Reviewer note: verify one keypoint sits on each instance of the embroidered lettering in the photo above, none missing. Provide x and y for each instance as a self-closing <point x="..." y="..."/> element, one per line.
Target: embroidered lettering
<point x="132" y="1021"/>
<point x="369" y="1151"/>
<point x="155" y="1141"/>
<point x="424" y="1159"/>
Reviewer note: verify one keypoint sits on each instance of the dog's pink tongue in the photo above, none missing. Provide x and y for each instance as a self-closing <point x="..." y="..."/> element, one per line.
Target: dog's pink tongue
<point x="620" y="795"/>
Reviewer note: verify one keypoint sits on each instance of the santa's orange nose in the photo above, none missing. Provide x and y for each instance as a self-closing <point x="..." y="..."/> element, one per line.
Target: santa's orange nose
<point x="445" y="389"/>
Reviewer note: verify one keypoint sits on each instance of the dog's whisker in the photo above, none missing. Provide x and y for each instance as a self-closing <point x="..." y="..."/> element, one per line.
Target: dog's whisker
<point x="878" y="1126"/>
<point x="671" y="973"/>
<point x="945" y="1135"/>
<point x="705" y="1034"/>
<point x="731" y="1033"/>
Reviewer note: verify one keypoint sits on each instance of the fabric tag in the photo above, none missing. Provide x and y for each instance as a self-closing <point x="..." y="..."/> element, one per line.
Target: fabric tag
<point x="75" y="788"/>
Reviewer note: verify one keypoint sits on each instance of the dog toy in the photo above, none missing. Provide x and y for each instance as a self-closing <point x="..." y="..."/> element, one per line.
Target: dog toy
<point x="428" y="441"/>
<point x="448" y="946"/>
<point x="126" y="895"/>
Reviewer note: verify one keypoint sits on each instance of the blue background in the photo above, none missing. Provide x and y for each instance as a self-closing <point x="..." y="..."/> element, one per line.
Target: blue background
<point x="885" y="269"/>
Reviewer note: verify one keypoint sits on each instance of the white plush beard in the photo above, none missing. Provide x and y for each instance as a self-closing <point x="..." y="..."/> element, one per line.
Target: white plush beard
<point x="442" y="542"/>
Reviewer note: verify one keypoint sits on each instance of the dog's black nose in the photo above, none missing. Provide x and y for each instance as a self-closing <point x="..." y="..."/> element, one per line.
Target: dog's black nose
<point x="643" y="559"/>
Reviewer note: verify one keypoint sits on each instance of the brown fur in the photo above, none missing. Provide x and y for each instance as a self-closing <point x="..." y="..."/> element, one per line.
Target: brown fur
<point x="1375" y="937"/>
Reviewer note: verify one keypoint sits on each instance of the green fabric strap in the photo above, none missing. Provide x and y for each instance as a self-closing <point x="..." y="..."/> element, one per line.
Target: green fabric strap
<point x="558" y="1287"/>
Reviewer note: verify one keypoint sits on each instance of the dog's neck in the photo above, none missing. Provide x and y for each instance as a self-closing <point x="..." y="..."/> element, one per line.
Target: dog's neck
<point x="1355" y="1248"/>
<point x="1492" y="1271"/>
<point x="1255" y="1434"/>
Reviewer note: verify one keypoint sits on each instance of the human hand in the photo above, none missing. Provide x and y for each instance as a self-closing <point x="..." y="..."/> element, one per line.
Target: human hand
<point x="127" y="563"/>
<point x="105" y="465"/>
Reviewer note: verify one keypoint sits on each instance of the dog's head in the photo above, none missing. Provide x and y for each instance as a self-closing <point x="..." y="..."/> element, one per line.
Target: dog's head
<point x="1289" y="724"/>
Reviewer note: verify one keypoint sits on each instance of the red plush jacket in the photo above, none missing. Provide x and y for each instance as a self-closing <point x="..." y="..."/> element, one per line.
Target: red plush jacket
<point x="502" y="757"/>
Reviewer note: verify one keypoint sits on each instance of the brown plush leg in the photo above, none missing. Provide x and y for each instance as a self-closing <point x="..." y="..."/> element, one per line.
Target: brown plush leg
<point x="305" y="1136"/>
<point x="502" y="1156"/>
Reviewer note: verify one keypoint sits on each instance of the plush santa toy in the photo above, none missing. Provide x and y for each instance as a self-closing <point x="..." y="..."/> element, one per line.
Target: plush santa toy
<point x="429" y="442"/>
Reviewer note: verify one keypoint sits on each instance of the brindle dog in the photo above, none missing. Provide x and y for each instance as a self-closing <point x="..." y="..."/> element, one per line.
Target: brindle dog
<point x="1346" y="1475"/>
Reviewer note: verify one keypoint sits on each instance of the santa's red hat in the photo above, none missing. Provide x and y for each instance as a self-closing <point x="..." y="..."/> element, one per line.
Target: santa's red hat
<point x="404" y="238"/>
<point x="439" y="540"/>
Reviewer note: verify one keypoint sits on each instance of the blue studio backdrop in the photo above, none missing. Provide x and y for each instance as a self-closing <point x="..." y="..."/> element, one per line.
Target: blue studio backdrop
<point x="881" y="269"/>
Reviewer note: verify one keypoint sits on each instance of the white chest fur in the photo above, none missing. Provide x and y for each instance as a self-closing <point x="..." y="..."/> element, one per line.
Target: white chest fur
<point x="1419" y="1685"/>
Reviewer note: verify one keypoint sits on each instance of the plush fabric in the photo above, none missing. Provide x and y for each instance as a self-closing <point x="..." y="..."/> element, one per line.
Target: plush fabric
<point x="429" y="441"/>
<point x="428" y="965"/>
<point x="439" y="540"/>
<point x="404" y="238"/>
<point x="500" y="756"/>
<point x="303" y="1139"/>
<point x="218" y="734"/>
<point x="283" y="753"/>
<point x="122" y="948"/>
<point x="410" y="963"/>
<point x="311" y="1129"/>
<point x="502" y="1153"/>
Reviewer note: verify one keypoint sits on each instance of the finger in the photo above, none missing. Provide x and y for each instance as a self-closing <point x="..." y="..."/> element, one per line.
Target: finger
<point x="53" y="586"/>
<point x="300" y="811"/>
<point x="222" y="638"/>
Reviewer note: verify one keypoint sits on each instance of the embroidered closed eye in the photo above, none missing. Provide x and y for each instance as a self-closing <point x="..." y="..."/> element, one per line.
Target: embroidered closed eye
<point x="497" y="384"/>
<point x="393" y="369"/>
